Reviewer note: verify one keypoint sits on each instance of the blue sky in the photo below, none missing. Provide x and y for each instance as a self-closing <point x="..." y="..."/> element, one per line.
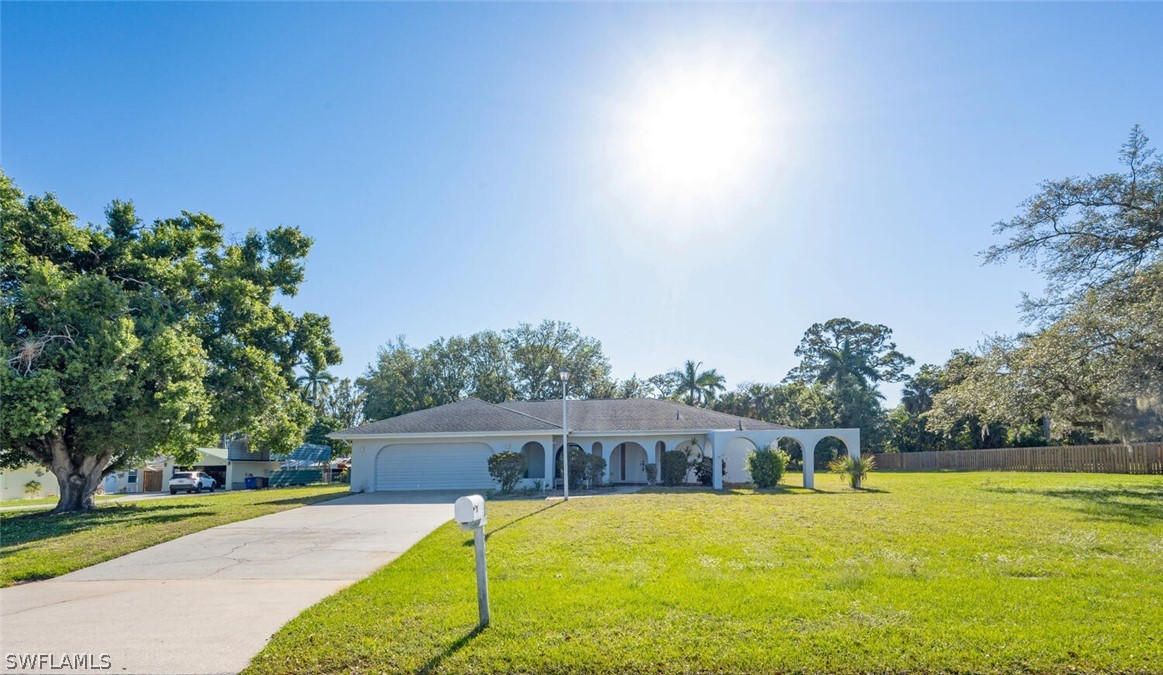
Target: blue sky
<point x="471" y="166"/>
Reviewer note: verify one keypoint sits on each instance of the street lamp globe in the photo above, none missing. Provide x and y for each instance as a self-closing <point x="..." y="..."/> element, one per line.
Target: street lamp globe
<point x="563" y="374"/>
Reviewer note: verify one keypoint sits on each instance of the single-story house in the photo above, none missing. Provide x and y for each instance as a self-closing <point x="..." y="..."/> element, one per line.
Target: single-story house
<point x="14" y="483"/>
<point x="232" y="466"/>
<point x="229" y="466"/>
<point x="447" y="447"/>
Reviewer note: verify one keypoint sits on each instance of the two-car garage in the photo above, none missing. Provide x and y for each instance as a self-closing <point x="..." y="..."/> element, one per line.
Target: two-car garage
<point x="433" y="466"/>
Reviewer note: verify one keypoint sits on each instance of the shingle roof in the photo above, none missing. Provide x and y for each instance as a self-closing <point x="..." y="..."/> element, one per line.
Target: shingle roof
<point x="463" y="416"/>
<point x="635" y="414"/>
<point x="592" y="415"/>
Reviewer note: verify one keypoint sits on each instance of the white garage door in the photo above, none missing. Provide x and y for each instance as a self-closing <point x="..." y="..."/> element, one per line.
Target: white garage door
<point x="434" y="467"/>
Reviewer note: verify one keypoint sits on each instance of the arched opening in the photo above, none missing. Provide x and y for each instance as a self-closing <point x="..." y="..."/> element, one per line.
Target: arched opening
<point x="794" y="450"/>
<point x="559" y="468"/>
<point x="597" y="449"/>
<point x="659" y="448"/>
<point x="735" y="454"/>
<point x="627" y="463"/>
<point x="534" y="460"/>
<point x="829" y="448"/>
<point x="694" y="455"/>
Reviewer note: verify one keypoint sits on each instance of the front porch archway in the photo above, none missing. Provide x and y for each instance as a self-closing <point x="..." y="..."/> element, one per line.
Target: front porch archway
<point x="627" y="463"/>
<point x="534" y="460"/>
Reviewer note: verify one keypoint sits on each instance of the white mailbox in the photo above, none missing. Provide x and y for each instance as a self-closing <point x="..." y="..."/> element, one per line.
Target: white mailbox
<point x="469" y="512"/>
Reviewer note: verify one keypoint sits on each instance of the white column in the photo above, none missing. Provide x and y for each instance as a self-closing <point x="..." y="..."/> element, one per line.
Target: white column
<point x="852" y="440"/>
<point x="716" y="464"/>
<point x="809" y="463"/>
<point x="547" y="456"/>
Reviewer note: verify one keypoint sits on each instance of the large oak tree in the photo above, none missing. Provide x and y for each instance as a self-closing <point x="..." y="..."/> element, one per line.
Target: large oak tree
<point x="128" y="340"/>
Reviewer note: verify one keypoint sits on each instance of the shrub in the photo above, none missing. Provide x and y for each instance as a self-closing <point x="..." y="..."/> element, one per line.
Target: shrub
<point x="674" y="467"/>
<point x="767" y="466"/>
<point x="595" y="470"/>
<point x="32" y="488"/>
<point x="705" y="471"/>
<point x="507" y="468"/>
<point x="651" y="473"/>
<point x="854" y="471"/>
<point x="577" y="467"/>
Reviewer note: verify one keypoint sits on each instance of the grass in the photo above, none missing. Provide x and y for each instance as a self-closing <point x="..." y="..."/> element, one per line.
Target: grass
<point x="954" y="572"/>
<point x="34" y="545"/>
<point x="47" y="501"/>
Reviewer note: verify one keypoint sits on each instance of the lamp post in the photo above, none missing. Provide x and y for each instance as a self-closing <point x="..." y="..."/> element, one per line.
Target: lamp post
<point x="564" y="375"/>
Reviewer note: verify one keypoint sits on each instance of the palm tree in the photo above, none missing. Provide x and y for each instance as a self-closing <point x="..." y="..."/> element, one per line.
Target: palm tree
<point x="918" y="392"/>
<point x="316" y="382"/>
<point x="846" y="365"/>
<point x="697" y="387"/>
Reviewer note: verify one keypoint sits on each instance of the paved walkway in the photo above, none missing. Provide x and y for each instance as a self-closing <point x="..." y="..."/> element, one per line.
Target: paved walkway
<point x="208" y="602"/>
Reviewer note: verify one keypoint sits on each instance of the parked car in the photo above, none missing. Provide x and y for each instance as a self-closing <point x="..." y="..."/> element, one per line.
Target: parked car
<point x="191" y="481"/>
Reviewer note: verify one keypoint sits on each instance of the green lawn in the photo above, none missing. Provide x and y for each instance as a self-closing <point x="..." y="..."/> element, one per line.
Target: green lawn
<point x="961" y="572"/>
<point x="47" y="501"/>
<point x="34" y="545"/>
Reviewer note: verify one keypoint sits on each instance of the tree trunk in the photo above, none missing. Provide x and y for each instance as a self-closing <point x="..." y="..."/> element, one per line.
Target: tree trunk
<point x="79" y="475"/>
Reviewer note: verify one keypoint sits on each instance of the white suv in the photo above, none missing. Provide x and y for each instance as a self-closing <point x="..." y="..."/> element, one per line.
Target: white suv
<point x="191" y="481"/>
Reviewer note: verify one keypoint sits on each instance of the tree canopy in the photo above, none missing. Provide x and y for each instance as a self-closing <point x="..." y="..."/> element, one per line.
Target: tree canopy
<point x="844" y="351"/>
<point x="131" y="339"/>
<point x="520" y="363"/>
<point x="1095" y="363"/>
<point x="1084" y="233"/>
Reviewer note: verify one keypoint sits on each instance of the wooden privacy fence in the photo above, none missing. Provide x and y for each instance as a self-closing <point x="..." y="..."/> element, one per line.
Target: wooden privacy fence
<point x="1133" y="458"/>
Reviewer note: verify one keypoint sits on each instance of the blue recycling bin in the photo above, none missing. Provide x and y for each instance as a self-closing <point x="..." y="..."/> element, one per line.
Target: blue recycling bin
<point x="251" y="483"/>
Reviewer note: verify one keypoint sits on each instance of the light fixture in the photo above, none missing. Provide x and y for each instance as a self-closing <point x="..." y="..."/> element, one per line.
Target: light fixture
<point x="563" y="374"/>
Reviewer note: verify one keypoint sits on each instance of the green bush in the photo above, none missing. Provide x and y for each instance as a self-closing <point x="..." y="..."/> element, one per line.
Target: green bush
<point x="595" y="470"/>
<point x="651" y="473"/>
<point x="705" y="470"/>
<point x="767" y="466"/>
<point x="853" y="471"/>
<point x="577" y="467"/>
<point x="674" y="467"/>
<point x="507" y="468"/>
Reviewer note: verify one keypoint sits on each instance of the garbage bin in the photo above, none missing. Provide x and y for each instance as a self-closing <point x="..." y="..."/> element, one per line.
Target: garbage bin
<point x="251" y="483"/>
<point x="261" y="481"/>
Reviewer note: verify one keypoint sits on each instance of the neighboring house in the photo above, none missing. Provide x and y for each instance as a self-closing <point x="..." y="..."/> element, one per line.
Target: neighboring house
<point x="13" y="482"/>
<point x="231" y="466"/>
<point x="447" y="447"/>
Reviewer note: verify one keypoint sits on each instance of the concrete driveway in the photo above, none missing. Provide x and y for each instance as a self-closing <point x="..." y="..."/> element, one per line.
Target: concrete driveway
<point x="208" y="602"/>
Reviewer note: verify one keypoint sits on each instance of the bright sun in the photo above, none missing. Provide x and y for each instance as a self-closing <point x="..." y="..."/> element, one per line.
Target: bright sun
<point x="693" y="134"/>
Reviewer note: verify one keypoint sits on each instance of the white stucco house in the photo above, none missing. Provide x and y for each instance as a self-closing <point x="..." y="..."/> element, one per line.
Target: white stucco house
<point x="13" y="483"/>
<point x="447" y="447"/>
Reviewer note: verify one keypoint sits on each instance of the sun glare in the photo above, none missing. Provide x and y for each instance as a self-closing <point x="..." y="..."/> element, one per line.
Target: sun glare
<point x="692" y="135"/>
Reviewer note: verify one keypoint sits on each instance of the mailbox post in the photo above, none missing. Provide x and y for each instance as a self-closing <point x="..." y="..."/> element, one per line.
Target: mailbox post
<point x="469" y="512"/>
